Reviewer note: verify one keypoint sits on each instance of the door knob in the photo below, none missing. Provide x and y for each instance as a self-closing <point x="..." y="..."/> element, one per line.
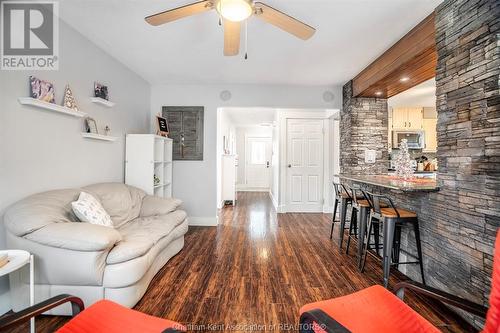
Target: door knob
<point x="289" y="165"/>
<point x="267" y="164"/>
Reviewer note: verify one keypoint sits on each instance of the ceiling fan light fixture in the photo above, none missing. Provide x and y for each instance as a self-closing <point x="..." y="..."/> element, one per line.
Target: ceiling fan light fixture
<point x="234" y="10"/>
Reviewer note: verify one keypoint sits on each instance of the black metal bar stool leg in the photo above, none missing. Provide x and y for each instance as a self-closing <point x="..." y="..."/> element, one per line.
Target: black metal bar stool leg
<point x="334" y="215"/>
<point x="376" y="236"/>
<point x="352" y="227"/>
<point x="397" y="246"/>
<point x="389" y="226"/>
<point x="419" y="249"/>
<point x="343" y="214"/>
<point x="363" y="217"/>
<point x="367" y="246"/>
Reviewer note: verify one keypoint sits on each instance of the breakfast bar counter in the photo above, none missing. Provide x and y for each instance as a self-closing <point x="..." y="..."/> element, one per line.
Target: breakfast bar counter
<point x="394" y="183"/>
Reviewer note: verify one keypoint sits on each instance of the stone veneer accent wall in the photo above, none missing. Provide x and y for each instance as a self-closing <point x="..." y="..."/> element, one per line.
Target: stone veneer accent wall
<point x="468" y="105"/>
<point x="459" y="223"/>
<point x="363" y="125"/>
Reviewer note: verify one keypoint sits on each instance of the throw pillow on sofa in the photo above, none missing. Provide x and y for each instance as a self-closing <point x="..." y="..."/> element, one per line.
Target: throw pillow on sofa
<point x="89" y="209"/>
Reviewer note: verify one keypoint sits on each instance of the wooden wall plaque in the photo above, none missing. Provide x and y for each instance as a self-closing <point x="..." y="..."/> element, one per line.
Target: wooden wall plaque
<point x="186" y="130"/>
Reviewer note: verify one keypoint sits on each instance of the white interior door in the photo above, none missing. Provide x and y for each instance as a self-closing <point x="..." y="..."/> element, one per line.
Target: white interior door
<point x="304" y="169"/>
<point x="258" y="162"/>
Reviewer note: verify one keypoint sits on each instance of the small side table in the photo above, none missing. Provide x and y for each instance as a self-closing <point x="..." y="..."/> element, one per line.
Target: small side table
<point x="17" y="260"/>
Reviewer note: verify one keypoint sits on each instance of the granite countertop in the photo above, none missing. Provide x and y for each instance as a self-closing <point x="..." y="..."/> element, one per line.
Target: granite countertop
<point x="392" y="182"/>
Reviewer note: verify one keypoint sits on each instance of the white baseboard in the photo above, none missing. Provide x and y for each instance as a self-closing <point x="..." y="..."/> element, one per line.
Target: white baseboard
<point x="327" y="209"/>
<point x="196" y="221"/>
<point x="245" y="188"/>
<point x="283" y="209"/>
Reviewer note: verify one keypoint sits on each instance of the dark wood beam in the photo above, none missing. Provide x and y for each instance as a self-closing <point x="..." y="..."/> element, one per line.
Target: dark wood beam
<point x="413" y="56"/>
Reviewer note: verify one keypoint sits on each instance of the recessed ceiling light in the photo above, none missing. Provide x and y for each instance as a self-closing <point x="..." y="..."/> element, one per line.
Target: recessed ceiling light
<point x="404" y="79"/>
<point x="378" y="93"/>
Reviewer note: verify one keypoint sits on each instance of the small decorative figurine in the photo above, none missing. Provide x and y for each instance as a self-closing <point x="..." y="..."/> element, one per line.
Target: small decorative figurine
<point x="69" y="99"/>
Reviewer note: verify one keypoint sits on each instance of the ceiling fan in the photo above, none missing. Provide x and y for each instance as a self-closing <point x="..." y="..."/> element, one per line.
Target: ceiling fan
<point x="232" y="13"/>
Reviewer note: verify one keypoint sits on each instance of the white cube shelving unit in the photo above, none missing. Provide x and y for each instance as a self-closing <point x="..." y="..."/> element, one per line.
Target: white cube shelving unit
<point x="148" y="155"/>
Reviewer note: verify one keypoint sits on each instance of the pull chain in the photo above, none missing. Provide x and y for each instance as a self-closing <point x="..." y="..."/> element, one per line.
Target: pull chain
<point x="246" y="39"/>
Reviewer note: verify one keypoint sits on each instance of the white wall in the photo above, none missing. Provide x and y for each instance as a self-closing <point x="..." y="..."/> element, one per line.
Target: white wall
<point x="241" y="134"/>
<point x="226" y="129"/>
<point x="275" y="164"/>
<point x="194" y="181"/>
<point x="40" y="151"/>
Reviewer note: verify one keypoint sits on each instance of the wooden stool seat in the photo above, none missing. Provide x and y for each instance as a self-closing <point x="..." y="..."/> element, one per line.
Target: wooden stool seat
<point x="345" y="196"/>
<point x="363" y="203"/>
<point x="391" y="213"/>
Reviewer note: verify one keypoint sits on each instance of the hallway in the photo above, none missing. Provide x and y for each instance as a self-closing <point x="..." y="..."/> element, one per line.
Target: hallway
<point x="255" y="270"/>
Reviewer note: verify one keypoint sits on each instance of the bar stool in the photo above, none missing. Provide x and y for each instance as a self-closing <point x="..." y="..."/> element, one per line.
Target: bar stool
<point x="345" y="201"/>
<point x="363" y="228"/>
<point x="358" y="204"/>
<point x="360" y="210"/>
<point x="338" y="194"/>
<point x="392" y="219"/>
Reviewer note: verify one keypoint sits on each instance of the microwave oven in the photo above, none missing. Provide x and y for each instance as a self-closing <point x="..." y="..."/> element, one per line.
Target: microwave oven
<point x="415" y="139"/>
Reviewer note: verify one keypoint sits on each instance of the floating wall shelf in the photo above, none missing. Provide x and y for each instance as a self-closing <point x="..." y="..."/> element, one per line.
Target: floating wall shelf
<point x="50" y="106"/>
<point x="102" y="101"/>
<point x="99" y="137"/>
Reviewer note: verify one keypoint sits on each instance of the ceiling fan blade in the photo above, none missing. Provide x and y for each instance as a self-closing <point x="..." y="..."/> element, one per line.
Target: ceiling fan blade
<point x="180" y="12"/>
<point x="232" y="32"/>
<point x="283" y="21"/>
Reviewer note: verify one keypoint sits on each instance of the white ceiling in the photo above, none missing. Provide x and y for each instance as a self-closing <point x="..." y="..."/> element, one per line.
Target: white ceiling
<point x="350" y="35"/>
<point x="250" y="116"/>
<point x="422" y="95"/>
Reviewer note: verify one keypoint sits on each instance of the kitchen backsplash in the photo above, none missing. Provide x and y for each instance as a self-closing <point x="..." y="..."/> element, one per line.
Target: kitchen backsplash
<point x="414" y="153"/>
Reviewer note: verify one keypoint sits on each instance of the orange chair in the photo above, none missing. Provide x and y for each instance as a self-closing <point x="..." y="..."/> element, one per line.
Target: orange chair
<point x="375" y="309"/>
<point x="101" y="317"/>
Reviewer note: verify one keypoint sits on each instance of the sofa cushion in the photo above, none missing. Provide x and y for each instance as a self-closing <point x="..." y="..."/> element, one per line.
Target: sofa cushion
<point x="121" y="202"/>
<point x="40" y="210"/>
<point x="76" y="236"/>
<point x="141" y="234"/>
<point x="152" y="205"/>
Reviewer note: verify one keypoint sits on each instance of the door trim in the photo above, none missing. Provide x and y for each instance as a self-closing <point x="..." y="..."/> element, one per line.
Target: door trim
<point x="328" y="116"/>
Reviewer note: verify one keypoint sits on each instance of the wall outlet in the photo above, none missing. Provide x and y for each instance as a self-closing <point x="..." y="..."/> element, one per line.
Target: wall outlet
<point x="370" y="156"/>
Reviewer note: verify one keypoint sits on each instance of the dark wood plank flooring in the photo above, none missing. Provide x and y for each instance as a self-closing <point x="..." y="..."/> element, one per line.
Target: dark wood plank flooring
<point x="255" y="270"/>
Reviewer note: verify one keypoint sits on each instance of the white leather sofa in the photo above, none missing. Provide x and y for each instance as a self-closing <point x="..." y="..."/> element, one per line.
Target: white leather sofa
<point x="90" y="261"/>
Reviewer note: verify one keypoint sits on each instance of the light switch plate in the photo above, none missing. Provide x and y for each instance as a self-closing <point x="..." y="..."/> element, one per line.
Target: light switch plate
<point x="370" y="156"/>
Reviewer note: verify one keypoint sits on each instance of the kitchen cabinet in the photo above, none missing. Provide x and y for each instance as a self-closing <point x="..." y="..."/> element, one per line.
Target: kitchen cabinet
<point x="389" y="133"/>
<point x="407" y="118"/>
<point x="429" y="126"/>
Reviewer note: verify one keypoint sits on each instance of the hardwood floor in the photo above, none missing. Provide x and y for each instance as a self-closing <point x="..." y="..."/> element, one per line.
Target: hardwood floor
<point x="255" y="270"/>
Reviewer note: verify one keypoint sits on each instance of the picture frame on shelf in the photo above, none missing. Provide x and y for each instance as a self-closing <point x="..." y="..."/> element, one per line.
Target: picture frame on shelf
<point x="101" y="91"/>
<point x="91" y="126"/>
<point x="161" y="126"/>
<point x="42" y="90"/>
